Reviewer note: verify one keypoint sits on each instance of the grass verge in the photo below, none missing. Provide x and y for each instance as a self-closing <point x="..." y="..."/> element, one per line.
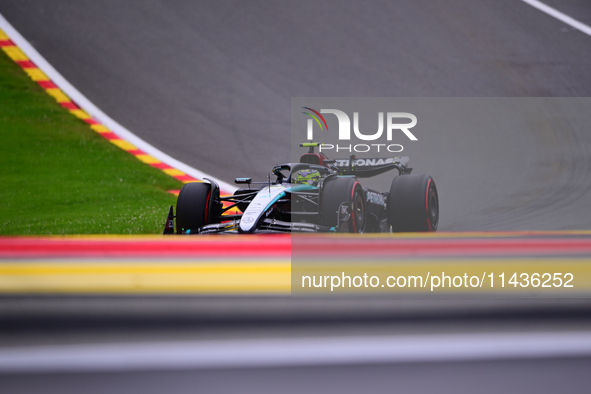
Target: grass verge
<point x="57" y="176"/>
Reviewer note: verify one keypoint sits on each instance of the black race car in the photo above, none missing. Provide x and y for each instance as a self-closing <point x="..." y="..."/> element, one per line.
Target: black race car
<point x="314" y="195"/>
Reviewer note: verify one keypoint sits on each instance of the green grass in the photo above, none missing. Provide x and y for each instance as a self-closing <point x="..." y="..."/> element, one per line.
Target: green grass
<point x="57" y="176"/>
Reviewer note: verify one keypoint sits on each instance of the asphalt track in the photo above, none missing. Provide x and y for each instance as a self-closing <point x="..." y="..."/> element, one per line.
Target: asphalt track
<point x="210" y="84"/>
<point x="483" y="377"/>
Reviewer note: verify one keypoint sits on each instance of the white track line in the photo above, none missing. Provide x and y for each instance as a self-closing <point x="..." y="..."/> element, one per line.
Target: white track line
<point x="99" y="115"/>
<point x="294" y="352"/>
<point x="560" y="16"/>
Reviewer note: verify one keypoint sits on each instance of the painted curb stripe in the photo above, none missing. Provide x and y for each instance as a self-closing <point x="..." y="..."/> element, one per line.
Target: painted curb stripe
<point x="51" y="87"/>
<point x="262" y="264"/>
<point x="37" y="75"/>
<point x="120" y="277"/>
<point x="252" y="246"/>
<point x="264" y="274"/>
<point x="323" y="246"/>
<point x="435" y="247"/>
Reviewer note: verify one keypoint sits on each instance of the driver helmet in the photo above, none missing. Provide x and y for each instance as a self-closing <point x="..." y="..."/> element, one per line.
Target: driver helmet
<point x="309" y="177"/>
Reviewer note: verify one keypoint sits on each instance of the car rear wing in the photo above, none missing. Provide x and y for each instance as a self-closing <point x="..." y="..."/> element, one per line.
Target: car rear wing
<point x="368" y="167"/>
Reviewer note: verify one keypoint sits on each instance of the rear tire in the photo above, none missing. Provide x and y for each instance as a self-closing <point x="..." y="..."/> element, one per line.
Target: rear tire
<point x="344" y="190"/>
<point x="413" y="204"/>
<point x="192" y="207"/>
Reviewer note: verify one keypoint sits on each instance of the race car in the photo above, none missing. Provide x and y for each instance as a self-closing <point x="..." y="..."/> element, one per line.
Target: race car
<point x="314" y="195"/>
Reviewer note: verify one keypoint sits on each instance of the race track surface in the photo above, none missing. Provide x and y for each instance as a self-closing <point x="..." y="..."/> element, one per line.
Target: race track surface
<point x="210" y="84"/>
<point x="520" y="376"/>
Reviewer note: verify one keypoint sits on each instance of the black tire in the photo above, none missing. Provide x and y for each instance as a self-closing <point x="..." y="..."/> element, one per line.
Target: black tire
<point x="413" y="204"/>
<point x="337" y="191"/>
<point x="192" y="207"/>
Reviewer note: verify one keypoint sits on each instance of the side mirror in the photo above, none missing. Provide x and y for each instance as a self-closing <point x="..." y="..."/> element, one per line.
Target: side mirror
<point x="246" y="181"/>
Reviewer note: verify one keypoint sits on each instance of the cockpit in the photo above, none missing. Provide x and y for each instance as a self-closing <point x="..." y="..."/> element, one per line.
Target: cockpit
<point x="300" y="173"/>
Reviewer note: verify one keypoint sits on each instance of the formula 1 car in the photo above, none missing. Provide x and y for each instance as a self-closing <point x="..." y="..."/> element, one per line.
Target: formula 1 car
<point x="314" y="195"/>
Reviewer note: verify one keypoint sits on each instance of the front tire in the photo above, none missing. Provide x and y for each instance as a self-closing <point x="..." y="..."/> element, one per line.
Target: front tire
<point x="344" y="190"/>
<point x="192" y="207"/>
<point x="413" y="204"/>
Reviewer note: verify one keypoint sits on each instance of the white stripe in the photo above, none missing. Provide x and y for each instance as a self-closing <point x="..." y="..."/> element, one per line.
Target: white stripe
<point x="294" y="352"/>
<point x="99" y="115"/>
<point x="560" y="16"/>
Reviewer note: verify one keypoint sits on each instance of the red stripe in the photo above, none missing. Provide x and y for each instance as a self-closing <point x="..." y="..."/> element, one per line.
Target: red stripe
<point x="273" y="245"/>
<point x="6" y="43"/>
<point x="91" y="121"/>
<point x="26" y="64"/>
<point x="47" y="84"/>
<point x="184" y="178"/>
<point x="110" y="136"/>
<point x="69" y="105"/>
<point x="190" y="246"/>
<point x="136" y="152"/>
<point x="399" y="247"/>
<point x="161" y="166"/>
